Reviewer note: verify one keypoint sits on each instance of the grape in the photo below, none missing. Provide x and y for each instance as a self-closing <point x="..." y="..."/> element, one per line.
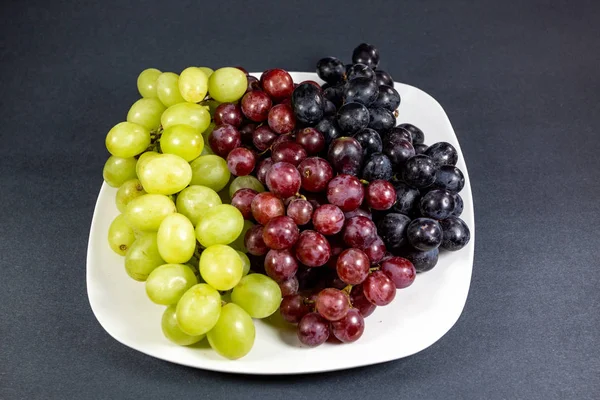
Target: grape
<point x="281" y="119"/>
<point x="234" y="333"/>
<point x="346" y="155"/>
<point x="329" y="128"/>
<point x="245" y="182"/>
<point x="458" y="205"/>
<point x="366" y="54"/>
<point x="229" y="113"/>
<point x="315" y="174"/>
<point x="227" y="85"/>
<point x="379" y="289"/>
<point x="146" y="112"/>
<point x="293" y="308"/>
<point x="120" y="235"/>
<point x="407" y="199"/>
<point x="381" y="119"/>
<point x="146" y="82"/>
<point x="419" y="171"/>
<point x="263" y="167"/>
<point x="143" y="257"/>
<point x="210" y="171"/>
<point x="280" y="233"/>
<point x="194" y="200"/>
<point x="353" y="266"/>
<point x="442" y="153"/>
<point x="397" y="149"/>
<point x="313" y="330"/>
<point x="311" y="139"/>
<point x="360" y="302"/>
<point x="242" y="200"/>
<point x="128" y="191"/>
<point x="263" y="137"/>
<point x="143" y="160"/>
<point x="277" y="83"/>
<point x="329" y="109"/>
<point x="456" y="234"/>
<point x="383" y="78"/>
<point x="223" y="139"/>
<point x="346" y="192"/>
<point x="420" y="148"/>
<point x="380" y="195"/>
<point x="241" y="161"/>
<point x="449" y="178"/>
<point x="300" y="211"/>
<point x="146" y="212"/>
<point x="399" y="133"/>
<point x="332" y="304"/>
<point x="289" y="286"/>
<point x="424" y="234"/>
<point x="207" y="71"/>
<point x="437" y="204"/>
<point x="245" y="262"/>
<point x="337" y="247"/>
<point x="258" y="295"/>
<point x="417" y="135"/>
<point x="127" y="139"/>
<point x="256" y="105"/>
<point x="307" y="103"/>
<point x="283" y="180"/>
<point x="388" y="98"/>
<point x="220" y="224"/>
<point x="400" y="270"/>
<point x="193" y="84"/>
<point x="361" y="90"/>
<point x="167" y="89"/>
<point x="359" y="212"/>
<point x="172" y="331"/>
<point x="350" y="328"/>
<point x="359" y="71"/>
<point x="369" y="141"/>
<point x="289" y="152"/>
<point x="165" y="174"/>
<point x="198" y="309"/>
<point x="312" y="249"/>
<point x="117" y="170"/>
<point x="194" y="115"/>
<point x="253" y="83"/>
<point x="392" y="230"/>
<point x="328" y="219"/>
<point x="239" y="243"/>
<point x="359" y="232"/>
<point x="254" y="242"/>
<point x="246" y="132"/>
<point x="335" y="93"/>
<point x="331" y="70"/>
<point x="423" y="260"/>
<point x="352" y="117"/>
<point x="167" y="283"/>
<point x="221" y="267"/>
<point x="176" y="239"/>
<point x="378" y="166"/>
<point x="183" y="141"/>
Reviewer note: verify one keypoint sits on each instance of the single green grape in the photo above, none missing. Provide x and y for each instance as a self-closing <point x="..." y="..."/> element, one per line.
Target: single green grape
<point x="167" y="283"/>
<point x="227" y="84"/>
<point x="194" y="200"/>
<point x="146" y="212"/>
<point x="167" y="89"/>
<point x="146" y="112"/>
<point x="221" y="224"/>
<point x="127" y="139"/>
<point x="258" y="294"/>
<point x="176" y="239"/>
<point x="128" y="191"/>
<point x="117" y="170"/>
<point x="210" y="171"/>
<point x="245" y="263"/>
<point x="193" y="84"/>
<point x="183" y="141"/>
<point x="172" y="331"/>
<point x="146" y="82"/>
<point x="245" y="182"/>
<point x="165" y="174"/>
<point x="120" y="235"/>
<point x="143" y="159"/>
<point x="198" y="309"/>
<point x="221" y="267"/>
<point x="143" y="257"/>
<point x="191" y="114"/>
<point x="234" y="333"/>
<point x="238" y="243"/>
<point x="207" y="71"/>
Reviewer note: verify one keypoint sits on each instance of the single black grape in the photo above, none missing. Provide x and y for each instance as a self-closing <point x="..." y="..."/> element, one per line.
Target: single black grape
<point x="329" y="109"/>
<point x="392" y="230"/>
<point x="366" y="54"/>
<point x="437" y="204"/>
<point x="419" y="171"/>
<point x="442" y="153"/>
<point x="449" y="178"/>
<point x="383" y="78"/>
<point x="359" y="71"/>
<point x="307" y="103"/>
<point x="381" y="119"/>
<point x="422" y="260"/>
<point x="398" y="150"/>
<point x="458" y="205"/>
<point x="456" y="234"/>
<point x="352" y="117"/>
<point x="331" y="70"/>
<point x="388" y="98"/>
<point x="335" y="93"/>
<point x="329" y="128"/>
<point x="407" y="199"/>
<point x="361" y="90"/>
<point x="424" y="234"/>
<point x="420" y="148"/>
<point x="418" y="136"/>
<point x="377" y="166"/>
<point x="399" y="132"/>
<point x="370" y="141"/>
<point x="346" y="156"/>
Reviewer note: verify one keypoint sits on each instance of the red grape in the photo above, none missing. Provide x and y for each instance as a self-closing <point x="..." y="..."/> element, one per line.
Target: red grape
<point x="277" y="83"/>
<point x="281" y="119"/>
<point x="380" y="195"/>
<point x="358" y="212"/>
<point x="263" y="137"/>
<point x="256" y="105"/>
<point x="328" y="219"/>
<point x="228" y="113"/>
<point x="360" y="302"/>
<point x="266" y="206"/>
<point x="223" y="139"/>
<point x="313" y="330"/>
<point x="283" y="179"/>
<point x="293" y="308"/>
<point x="253" y="83"/>
<point x="332" y="304"/>
<point x="350" y="328"/>
<point x="289" y="152"/>
<point x="316" y="173"/>
<point x="359" y="232"/>
<point x="287" y="101"/>
<point x="312" y="249"/>
<point x="379" y="289"/>
<point x="345" y="155"/>
<point x="400" y="270"/>
<point x="254" y="241"/>
<point x="282" y="139"/>
<point x="247" y="131"/>
<point x="311" y="139"/>
<point x="242" y="200"/>
<point x="337" y="246"/>
<point x="241" y="161"/>
<point x="289" y="286"/>
<point x="280" y="233"/>
<point x="242" y="69"/>
<point x="346" y="192"/>
<point x="353" y="266"/>
<point x="375" y="251"/>
<point x="263" y="167"/>
<point x="300" y="211"/>
<point x="280" y="265"/>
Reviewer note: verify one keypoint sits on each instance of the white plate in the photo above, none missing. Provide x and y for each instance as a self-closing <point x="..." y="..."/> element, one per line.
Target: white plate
<point x="418" y="317"/>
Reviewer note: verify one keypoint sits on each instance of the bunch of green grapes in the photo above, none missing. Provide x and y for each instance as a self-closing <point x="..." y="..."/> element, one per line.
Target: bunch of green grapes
<point x="174" y="231"/>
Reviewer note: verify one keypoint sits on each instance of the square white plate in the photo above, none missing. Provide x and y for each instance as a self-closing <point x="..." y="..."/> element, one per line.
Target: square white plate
<point x="418" y="317"/>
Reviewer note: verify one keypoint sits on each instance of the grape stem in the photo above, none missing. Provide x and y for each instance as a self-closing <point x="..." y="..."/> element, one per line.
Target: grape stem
<point x="364" y="182"/>
<point x="375" y="268"/>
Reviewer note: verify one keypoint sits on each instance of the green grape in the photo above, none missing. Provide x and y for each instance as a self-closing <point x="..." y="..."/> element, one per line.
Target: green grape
<point x="183" y="141"/>
<point x="146" y="82"/>
<point x="221" y="267"/>
<point x="143" y="257"/>
<point x="143" y="159"/>
<point x="207" y="71"/>
<point x="210" y="171"/>
<point x="165" y="174"/>
<point x="193" y="84"/>
<point x="245" y="263"/>
<point x="245" y="182"/>
<point x="127" y="139"/>
<point x="172" y="331"/>
<point x="167" y="283"/>
<point x="194" y="200"/>
<point x="198" y="309"/>
<point x="128" y="191"/>
<point x="258" y="294"/>
<point x="233" y="335"/>
<point x="227" y="84"/>
<point x="176" y="239"/>
<point x="212" y="105"/>
<point x="120" y="235"/>
<point x="238" y="243"/>
<point x="167" y="89"/>
<point x="194" y="115"/>
<point x="220" y="224"/>
<point x="117" y="170"/>
<point x="146" y="112"/>
<point x="145" y="213"/>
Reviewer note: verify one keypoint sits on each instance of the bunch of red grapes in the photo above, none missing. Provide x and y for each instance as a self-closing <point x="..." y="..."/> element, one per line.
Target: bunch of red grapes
<point x="356" y="205"/>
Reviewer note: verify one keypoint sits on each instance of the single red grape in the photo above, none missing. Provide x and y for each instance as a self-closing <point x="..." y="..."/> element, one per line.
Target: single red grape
<point x="281" y="119"/>
<point x="253" y="83"/>
<point x="283" y="179"/>
<point x="289" y="286"/>
<point x="400" y="270"/>
<point x="263" y="167"/>
<point x="332" y="304"/>
<point x="359" y="232"/>
<point x="281" y="265"/>
<point x="277" y="83"/>
<point x="263" y="137"/>
<point x="313" y="330"/>
<point x="375" y="251"/>
<point x="316" y="173"/>
<point x="280" y="233"/>
<point x="350" y="328"/>
<point x="311" y="139"/>
<point x="254" y="241"/>
<point x="289" y="152"/>
<point x="353" y="266"/>
<point x="242" y="200"/>
<point x="360" y="302"/>
<point x="256" y="105"/>
<point x="228" y="113"/>
<point x="300" y="211"/>
<point x="312" y="249"/>
<point x="379" y="289"/>
<point x="380" y="195"/>
<point x="223" y="139"/>
<point x="241" y="161"/>
<point x="346" y="192"/>
<point x="266" y="206"/>
<point x="293" y="308"/>
<point x="328" y="219"/>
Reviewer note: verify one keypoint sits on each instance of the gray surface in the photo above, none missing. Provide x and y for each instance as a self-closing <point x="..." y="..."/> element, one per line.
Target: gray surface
<point x="520" y="83"/>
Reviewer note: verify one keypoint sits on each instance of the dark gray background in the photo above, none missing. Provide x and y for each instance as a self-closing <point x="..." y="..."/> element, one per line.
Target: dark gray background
<point x="520" y="81"/>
